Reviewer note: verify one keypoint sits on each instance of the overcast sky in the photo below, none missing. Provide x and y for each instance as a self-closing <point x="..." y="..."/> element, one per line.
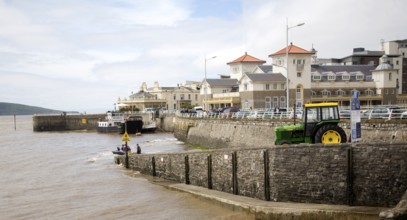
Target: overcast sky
<point x="81" y="55"/>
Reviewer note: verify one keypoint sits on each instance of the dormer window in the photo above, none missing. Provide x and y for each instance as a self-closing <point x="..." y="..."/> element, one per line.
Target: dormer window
<point x="316" y="77"/>
<point x="359" y="77"/>
<point x="331" y="77"/>
<point x="346" y="77"/>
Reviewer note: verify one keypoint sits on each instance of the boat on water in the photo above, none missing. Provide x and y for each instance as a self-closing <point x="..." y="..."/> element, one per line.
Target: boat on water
<point x="133" y="124"/>
<point x="117" y="122"/>
<point x="112" y="123"/>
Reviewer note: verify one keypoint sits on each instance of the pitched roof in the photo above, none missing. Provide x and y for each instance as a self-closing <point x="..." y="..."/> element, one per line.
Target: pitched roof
<point x="246" y="58"/>
<point x="339" y="69"/>
<point x="221" y="82"/>
<point x="292" y="49"/>
<point x="266" y="68"/>
<point x="275" y="77"/>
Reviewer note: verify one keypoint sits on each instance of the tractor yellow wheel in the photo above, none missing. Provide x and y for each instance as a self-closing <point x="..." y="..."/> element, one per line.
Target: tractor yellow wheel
<point x="331" y="137"/>
<point x="330" y="134"/>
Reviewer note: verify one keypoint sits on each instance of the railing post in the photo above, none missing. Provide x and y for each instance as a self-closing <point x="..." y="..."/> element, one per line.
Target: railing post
<point x="234" y="173"/>
<point x="153" y="165"/>
<point x="187" y="170"/>
<point x="210" y="171"/>
<point x="349" y="178"/>
<point x="266" y="175"/>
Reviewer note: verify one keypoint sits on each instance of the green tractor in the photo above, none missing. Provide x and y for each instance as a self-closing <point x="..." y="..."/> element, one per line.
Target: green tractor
<point x="320" y="125"/>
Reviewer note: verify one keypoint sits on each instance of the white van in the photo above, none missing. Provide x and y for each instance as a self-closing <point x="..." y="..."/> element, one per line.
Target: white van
<point x="198" y="108"/>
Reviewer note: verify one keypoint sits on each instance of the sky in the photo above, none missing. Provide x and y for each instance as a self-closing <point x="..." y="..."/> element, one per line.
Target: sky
<point x="82" y="55"/>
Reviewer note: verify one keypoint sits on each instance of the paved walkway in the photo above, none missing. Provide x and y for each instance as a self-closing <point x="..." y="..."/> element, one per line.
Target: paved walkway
<point x="274" y="210"/>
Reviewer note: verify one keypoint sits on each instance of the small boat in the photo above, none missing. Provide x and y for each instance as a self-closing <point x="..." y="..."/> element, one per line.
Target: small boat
<point x="118" y="152"/>
<point x="112" y="123"/>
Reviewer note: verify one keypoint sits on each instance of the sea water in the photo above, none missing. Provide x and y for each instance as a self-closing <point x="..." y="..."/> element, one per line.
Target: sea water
<point x="72" y="175"/>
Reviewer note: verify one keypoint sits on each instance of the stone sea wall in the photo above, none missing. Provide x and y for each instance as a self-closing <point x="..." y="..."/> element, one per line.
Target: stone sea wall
<point x="66" y="122"/>
<point x="363" y="174"/>
<point x="248" y="134"/>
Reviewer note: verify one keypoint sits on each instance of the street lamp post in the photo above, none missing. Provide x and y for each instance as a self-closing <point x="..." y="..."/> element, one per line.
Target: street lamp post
<point x="206" y="84"/>
<point x="286" y="62"/>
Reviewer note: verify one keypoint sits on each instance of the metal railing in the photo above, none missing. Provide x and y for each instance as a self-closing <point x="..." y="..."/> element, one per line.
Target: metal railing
<point x="374" y="112"/>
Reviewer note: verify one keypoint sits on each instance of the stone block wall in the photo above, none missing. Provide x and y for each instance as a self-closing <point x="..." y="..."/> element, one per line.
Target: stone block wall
<point x="365" y="175"/>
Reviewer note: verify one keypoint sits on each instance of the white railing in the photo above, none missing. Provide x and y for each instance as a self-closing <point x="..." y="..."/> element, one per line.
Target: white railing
<point x="376" y="112"/>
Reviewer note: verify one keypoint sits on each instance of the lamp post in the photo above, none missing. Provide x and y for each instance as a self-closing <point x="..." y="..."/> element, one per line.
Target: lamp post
<point x="206" y="86"/>
<point x="286" y="62"/>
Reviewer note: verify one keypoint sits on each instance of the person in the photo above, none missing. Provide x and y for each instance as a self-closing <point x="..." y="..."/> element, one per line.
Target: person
<point x="128" y="149"/>
<point x="138" y="149"/>
<point x="118" y="148"/>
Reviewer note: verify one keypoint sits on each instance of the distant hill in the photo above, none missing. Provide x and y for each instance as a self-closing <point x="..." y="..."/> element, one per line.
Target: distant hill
<point x="18" y="109"/>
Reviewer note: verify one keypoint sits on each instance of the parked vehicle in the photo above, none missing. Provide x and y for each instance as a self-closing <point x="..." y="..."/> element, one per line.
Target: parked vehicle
<point x="228" y="112"/>
<point x="241" y="114"/>
<point x="256" y="114"/>
<point x="344" y="113"/>
<point x="384" y="112"/>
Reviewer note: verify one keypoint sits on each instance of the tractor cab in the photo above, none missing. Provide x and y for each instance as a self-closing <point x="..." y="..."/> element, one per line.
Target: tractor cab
<point x="320" y="125"/>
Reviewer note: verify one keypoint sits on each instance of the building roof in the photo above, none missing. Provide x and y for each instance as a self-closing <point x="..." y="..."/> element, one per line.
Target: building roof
<point x="246" y="58"/>
<point x="292" y="49"/>
<point x="141" y="94"/>
<point x="266" y="68"/>
<point x="339" y="70"/>
<point x="222" y="82"/>
<point x="275" y="77"/>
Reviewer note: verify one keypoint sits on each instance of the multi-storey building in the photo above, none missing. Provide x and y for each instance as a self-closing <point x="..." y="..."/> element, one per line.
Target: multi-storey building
<point x="179" y="97"/>
<point x="378" y="76"/>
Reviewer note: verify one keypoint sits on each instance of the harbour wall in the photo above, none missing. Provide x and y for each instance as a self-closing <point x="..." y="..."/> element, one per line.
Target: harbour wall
<point x="346" y="174"/>
<point x="216" y="134"/>
<point x="64" y="122"/>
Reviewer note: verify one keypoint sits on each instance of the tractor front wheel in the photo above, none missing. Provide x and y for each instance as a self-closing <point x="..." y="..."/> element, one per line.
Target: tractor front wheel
<point x="330" y="134"/>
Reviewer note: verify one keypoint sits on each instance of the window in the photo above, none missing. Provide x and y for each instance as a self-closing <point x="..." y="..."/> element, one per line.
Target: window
<point x="267" y="86"/>
<point x="196" y="97"/>
<point x="224" y="91"/>
<point x="340" y="92"/>
<point x="267" y="102"/>
<point x="397" y="62"/>
<point x="316" y="77"/>
<point x="359" y="77"/>
<point x="175" y="96"/>
<point x="189" y="96"/>
<point x="245" y="87"/>
<point x="182" y="96"/>
<point x="275" y="101"/>
<point x="275" y="86"/>
<point x="282" y="86"/>
<point x="389" y="76"/>
<point x="331" y="77"/>
<point x="326" y="92"/>
<point x="345" y="77"/>
<point x="282" y="101"/>
<point x="369" y="92"/>
<point x="299" y="74"/>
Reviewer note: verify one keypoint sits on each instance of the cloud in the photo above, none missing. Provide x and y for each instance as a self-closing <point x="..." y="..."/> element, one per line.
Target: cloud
<point x="91" y="52"/>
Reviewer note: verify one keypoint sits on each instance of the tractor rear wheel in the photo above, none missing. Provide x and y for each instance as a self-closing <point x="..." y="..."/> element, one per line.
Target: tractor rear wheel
<point x="330" y="134"/>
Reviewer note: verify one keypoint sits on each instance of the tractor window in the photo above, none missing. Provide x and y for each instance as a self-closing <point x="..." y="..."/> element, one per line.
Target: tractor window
<point x="329" y="113"/>
<point x="312" y="115"/>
